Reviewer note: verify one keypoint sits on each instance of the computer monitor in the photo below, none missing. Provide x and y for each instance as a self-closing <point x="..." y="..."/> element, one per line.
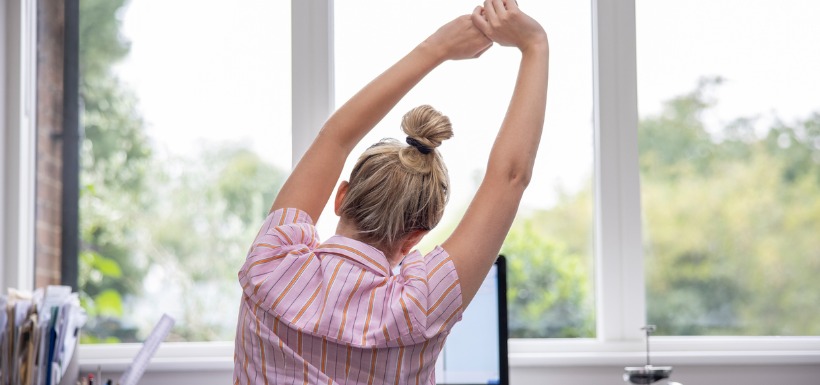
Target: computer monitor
<point x="476" y="349"/>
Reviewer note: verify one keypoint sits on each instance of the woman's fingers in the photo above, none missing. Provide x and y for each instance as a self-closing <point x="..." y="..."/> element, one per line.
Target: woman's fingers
<point x="499" y="6"/>
<point x="489" y="12"/>
<point x="480" y="22"/>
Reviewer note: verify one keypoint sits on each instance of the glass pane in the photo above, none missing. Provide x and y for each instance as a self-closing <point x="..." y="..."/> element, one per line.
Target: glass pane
<point x="730" y="165"/>
<point x="187" y="140"/>
<point x="549" y="248"/>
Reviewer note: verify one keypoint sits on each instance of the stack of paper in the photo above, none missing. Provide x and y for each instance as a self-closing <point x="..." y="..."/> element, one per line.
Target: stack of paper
<point x="38" y="334"/>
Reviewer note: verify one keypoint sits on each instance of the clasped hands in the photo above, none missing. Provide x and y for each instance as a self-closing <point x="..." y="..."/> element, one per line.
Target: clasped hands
<point x="499" y="21"/>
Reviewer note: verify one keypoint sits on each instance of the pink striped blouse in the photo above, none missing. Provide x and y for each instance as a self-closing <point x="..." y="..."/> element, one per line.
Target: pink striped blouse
<point x="334" y="313"/>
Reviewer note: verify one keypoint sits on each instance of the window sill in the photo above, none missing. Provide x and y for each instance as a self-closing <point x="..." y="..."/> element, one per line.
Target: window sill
<point x="524" y="353"/>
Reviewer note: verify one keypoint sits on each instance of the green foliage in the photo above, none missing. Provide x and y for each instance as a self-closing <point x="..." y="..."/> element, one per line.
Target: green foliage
<point x="549" y="287"/>
<point x="199" y="232"/>
<point x="186" y="220"/>
<point x="100" y="41"/>
<point x="731" y="223"/>
<point x="114" y="157"/>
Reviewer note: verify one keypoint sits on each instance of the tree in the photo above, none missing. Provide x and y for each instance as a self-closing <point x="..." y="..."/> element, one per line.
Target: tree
<point x="731" y="222"/>
<point x="114" y="157"/>
<point x="549" y="286"/>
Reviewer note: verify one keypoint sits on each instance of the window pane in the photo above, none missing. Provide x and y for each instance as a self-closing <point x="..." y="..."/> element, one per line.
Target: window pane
<point x="550" y="245"/>
<point x="730" y="165"/>
<point x="187" y="139"/>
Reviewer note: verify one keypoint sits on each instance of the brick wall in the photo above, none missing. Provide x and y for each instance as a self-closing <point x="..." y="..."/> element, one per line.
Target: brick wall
<point x="50" y="23"/>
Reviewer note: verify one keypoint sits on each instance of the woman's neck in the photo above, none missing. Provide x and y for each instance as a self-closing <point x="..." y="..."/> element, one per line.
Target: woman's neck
<point x="348" y="230"/>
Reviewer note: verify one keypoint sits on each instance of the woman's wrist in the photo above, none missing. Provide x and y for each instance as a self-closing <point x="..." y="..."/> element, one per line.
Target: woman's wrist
<point x="432" y="51"/>
<point x="536" y="45"/>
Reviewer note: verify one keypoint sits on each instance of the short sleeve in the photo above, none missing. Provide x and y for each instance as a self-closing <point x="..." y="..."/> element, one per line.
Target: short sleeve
<point x="431" y="297"/>
<point x="285" y="233"/>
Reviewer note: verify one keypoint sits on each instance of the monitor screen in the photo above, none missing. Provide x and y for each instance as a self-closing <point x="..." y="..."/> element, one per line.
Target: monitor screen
<point x="472" y="352"/>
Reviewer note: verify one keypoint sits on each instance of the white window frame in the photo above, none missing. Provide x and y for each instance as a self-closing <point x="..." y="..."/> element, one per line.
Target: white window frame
<point x="619" y="276"/>
<point x="18" y="39"/>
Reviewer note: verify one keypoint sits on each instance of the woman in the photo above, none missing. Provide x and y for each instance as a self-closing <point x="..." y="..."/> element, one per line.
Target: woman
<point x="334" y="312"/>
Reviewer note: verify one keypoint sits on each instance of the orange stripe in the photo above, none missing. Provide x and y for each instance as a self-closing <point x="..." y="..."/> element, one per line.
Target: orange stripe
<point x="290" y="285"/>
<point x="406" y="314"/>
<point x="357" y="252"/>
<point x="324" y="353"/>
<point x="266" y="260"/>
<point x="421" y="360"/>
<point x="398" y="366"/>
<point x="449" y="319"/>
<point x="417" y="302"/>
<point x="413" y="263"/>
<point x="347" y="362"/>
<point x="327" y="293"/>
<point x="299" y="352"/>
<point x="372" y="367"/>
<point x="416" y="277"/>
<point x="435" y="269"/>
<point x="449" y="289"/>
<point x="276" y="331"/>
<point x="306" y="373"/>
<point x="304" y="308"/>
<point x="370" y="312"/>
<point x="267" y="245"/>
<point x="290" y="242"/>
<point x="261" y="345"/>
<point x="347" y="305"/>
<point x="244" y="345"/>
<point x="282" y="218"/>
<point x="386" y="335"/>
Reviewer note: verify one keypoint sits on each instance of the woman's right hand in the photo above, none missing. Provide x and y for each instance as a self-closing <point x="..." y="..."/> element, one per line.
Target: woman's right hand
<point x="504" y="23"/>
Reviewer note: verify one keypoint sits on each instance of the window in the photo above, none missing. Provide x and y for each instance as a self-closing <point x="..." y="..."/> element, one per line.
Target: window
<point x="113" y="99"/>
<point x="730" y="166"/>
<point x="550" y="245"/>
<point x="187" y="140"/>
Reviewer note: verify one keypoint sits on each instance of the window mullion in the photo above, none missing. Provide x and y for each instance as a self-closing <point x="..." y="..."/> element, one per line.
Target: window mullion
<point x="619" y="258"/>
<point x="312" y="70"/>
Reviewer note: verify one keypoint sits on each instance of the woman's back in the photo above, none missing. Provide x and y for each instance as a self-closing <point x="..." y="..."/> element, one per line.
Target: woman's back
<point x="334" y="312"/>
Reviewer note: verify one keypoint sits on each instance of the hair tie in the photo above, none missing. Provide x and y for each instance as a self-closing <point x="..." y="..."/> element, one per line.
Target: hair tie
<point x="422" y="148"/>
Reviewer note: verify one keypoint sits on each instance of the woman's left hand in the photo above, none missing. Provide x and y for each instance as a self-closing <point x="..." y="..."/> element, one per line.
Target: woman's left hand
<point x="459" y="39"/>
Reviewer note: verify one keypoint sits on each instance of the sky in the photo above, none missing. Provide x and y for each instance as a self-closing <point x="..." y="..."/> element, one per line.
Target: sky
<point x="207" y="73"/>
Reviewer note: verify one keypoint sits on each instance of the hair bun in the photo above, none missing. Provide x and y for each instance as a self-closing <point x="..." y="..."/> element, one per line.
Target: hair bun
<point x="426" y="127"/>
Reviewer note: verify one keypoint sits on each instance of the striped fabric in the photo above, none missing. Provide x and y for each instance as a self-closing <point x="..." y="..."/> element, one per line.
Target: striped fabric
<point x="334" y="313"/>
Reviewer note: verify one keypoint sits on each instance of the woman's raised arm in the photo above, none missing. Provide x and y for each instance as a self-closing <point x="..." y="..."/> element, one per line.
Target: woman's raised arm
<point x="476" y="241"/>
<point x="312" y="181"/>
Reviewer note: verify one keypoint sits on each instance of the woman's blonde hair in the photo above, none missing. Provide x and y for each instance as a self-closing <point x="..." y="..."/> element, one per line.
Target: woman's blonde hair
<point x="395" y="188"/>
